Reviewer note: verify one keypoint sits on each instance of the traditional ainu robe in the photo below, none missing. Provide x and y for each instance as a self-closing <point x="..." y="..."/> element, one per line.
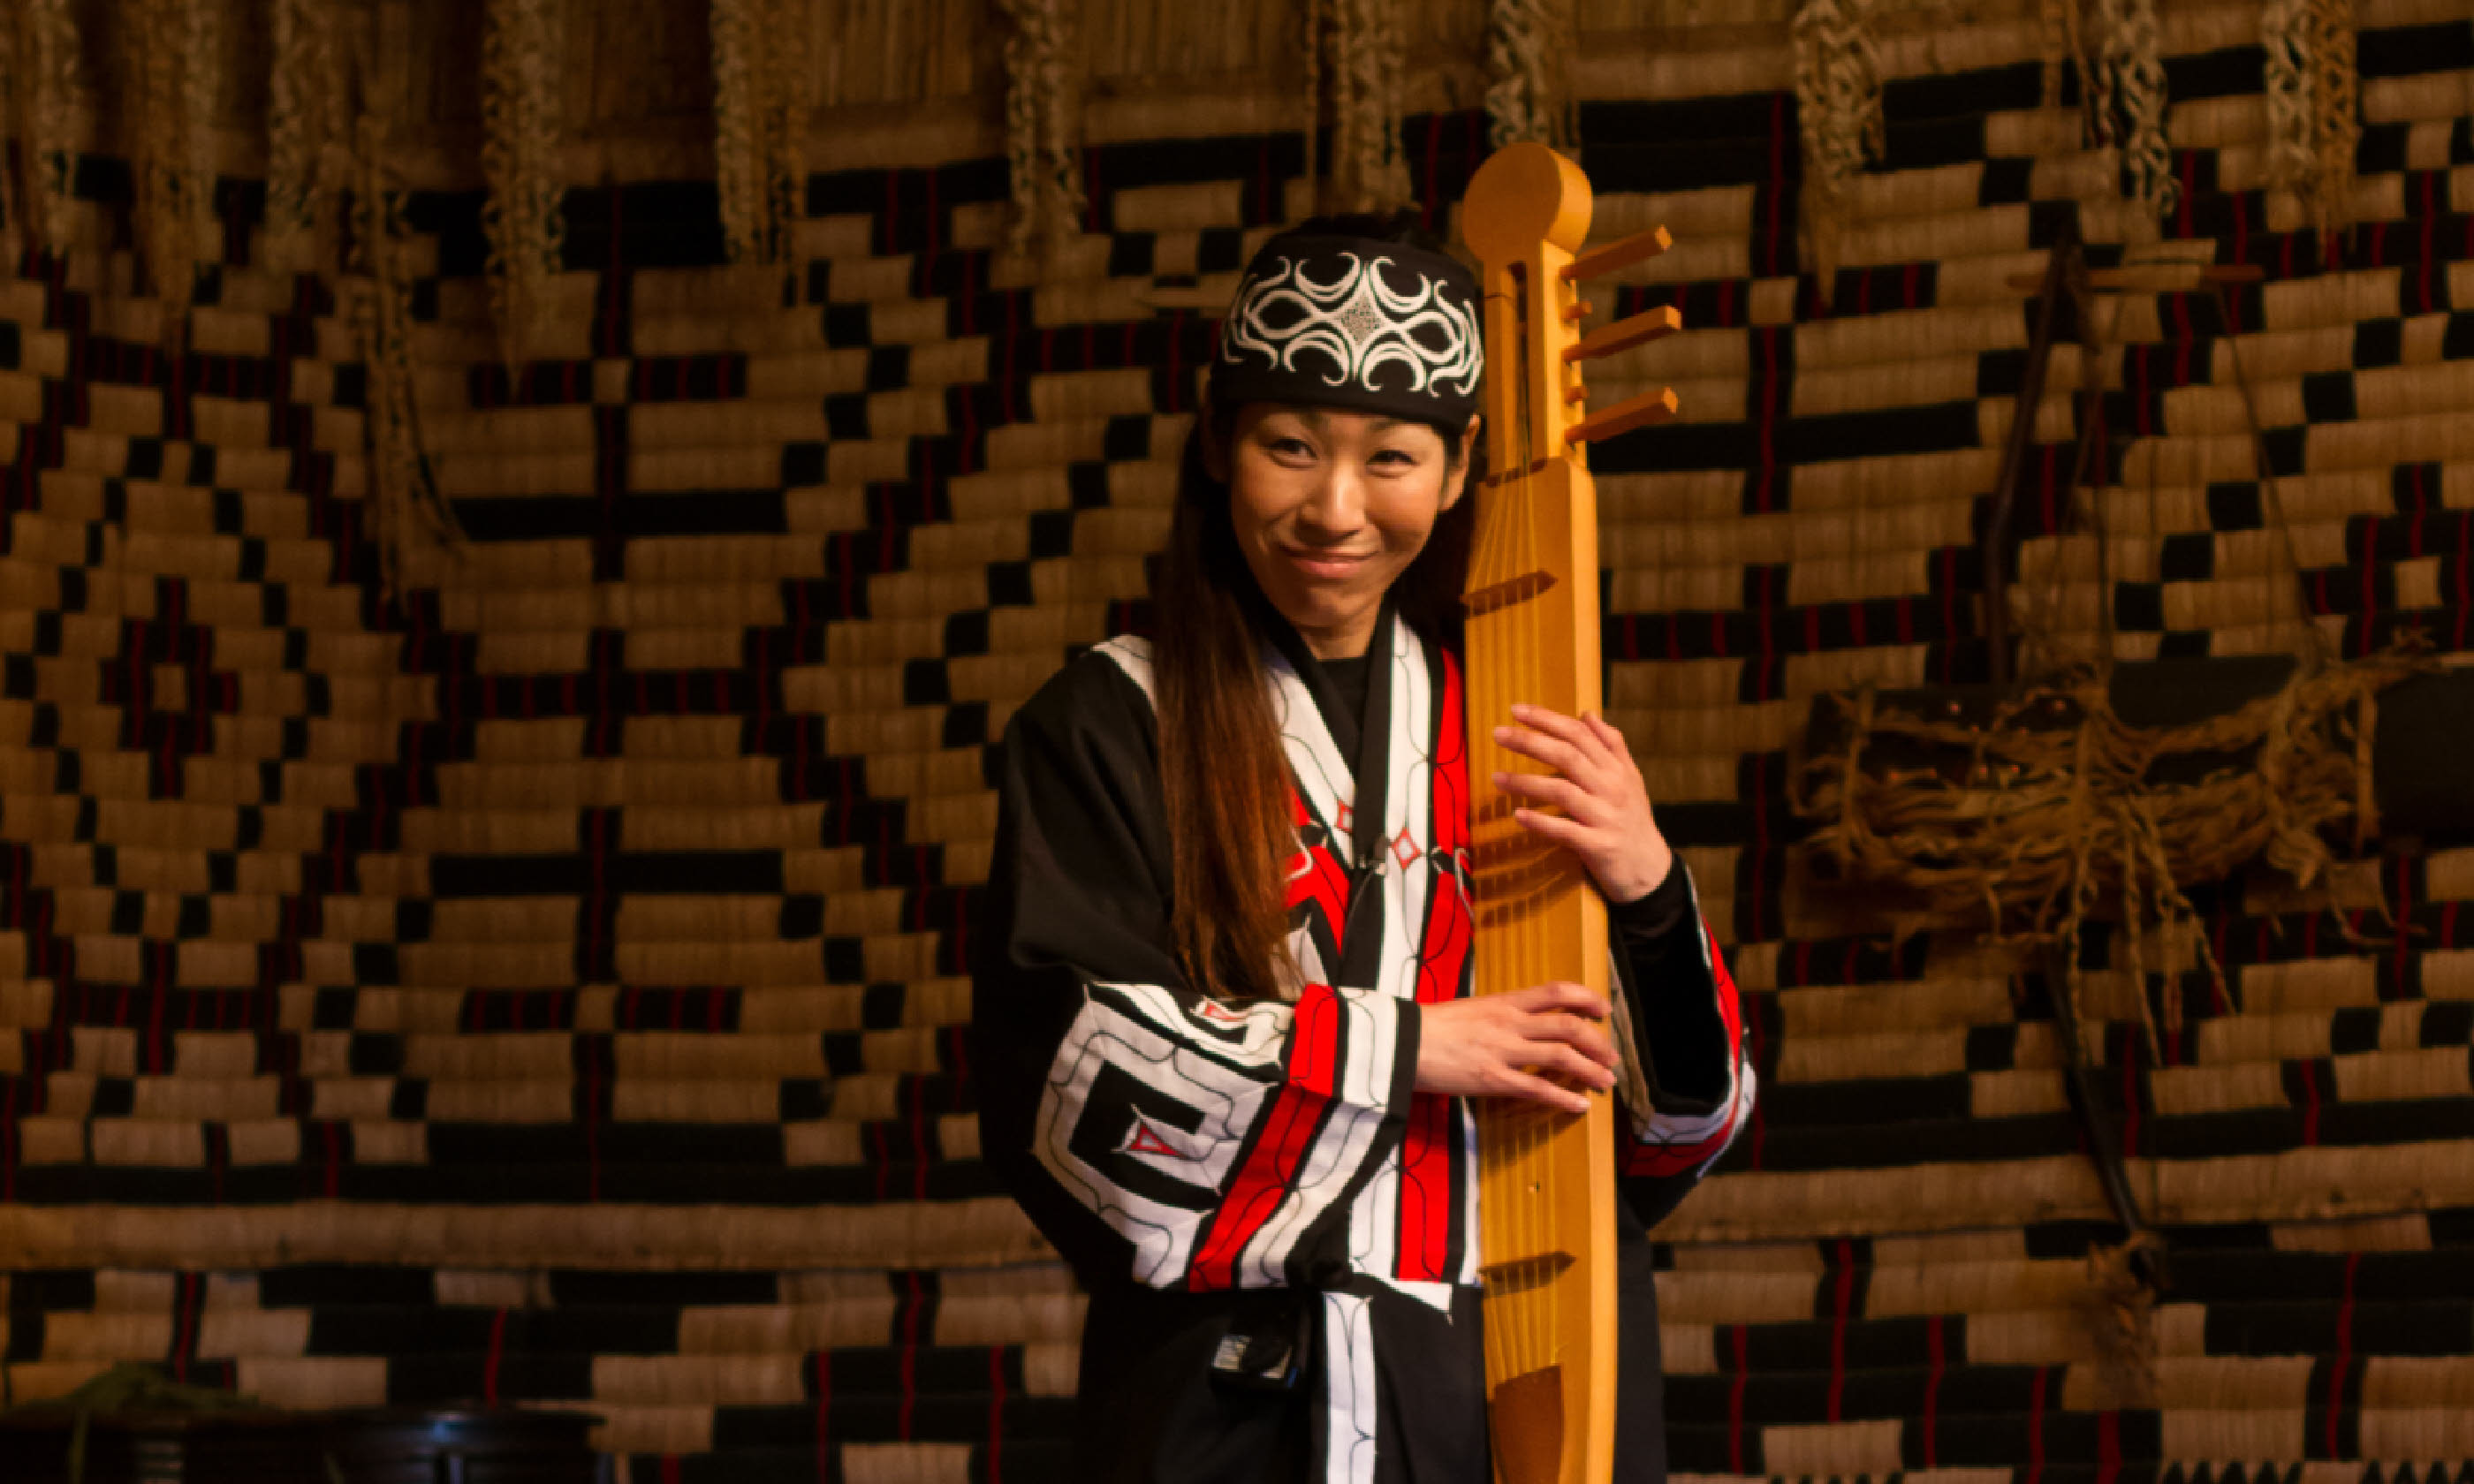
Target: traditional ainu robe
<point x="1269" y="1168"/>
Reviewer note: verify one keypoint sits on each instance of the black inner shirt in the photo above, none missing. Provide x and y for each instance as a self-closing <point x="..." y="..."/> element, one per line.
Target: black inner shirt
<point x="1349" y="678"/>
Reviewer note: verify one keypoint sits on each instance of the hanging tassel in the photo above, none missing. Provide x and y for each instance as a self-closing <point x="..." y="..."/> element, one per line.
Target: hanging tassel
<point x="308" y="132"/>
<point x="790" y="103"/>
<point x="2122" y="92"/>
<point x="1838" y="105"/>
<point x="522" y="49"/>
<point x="174" y="47"/>
<point x="764" y="95"/>
<point x="1368" y="170"/>
<point x="40" y="79"/>
<point x="2311" y="92"/>
<point x="375" y="294"/>
<point x="1043" y="123"/>
<point x="1526" y="44"/>
<point x="2133" y="67"/>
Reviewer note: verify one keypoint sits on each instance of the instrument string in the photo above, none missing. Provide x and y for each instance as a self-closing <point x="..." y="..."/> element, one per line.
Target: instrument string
<point x="1533" y="1128"/>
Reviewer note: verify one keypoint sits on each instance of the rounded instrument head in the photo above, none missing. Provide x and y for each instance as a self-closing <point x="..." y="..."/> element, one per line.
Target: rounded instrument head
<point x="1522" y="193"/>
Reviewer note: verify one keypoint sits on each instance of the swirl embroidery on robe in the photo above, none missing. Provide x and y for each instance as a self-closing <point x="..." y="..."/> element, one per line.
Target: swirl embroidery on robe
<point x="1361" y="323"/>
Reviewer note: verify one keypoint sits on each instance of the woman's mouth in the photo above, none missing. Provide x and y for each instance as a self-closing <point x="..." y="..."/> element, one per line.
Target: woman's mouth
<point x="1327" y="566"/>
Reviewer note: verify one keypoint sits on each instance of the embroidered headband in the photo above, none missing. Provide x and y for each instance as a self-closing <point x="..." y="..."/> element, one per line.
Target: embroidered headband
<point x="1356" y="323"/>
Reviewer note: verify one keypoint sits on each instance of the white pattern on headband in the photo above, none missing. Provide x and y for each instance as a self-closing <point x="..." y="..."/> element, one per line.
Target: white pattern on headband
<point x="1362" y="324"/>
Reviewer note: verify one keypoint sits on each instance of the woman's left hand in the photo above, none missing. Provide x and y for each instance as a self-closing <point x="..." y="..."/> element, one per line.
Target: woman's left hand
<point x="1606" y="819"/>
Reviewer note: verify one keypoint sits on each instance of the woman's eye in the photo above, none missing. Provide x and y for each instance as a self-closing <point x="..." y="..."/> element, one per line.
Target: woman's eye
<point x="1292" y="449"/>
<point x="1395" y="458"/>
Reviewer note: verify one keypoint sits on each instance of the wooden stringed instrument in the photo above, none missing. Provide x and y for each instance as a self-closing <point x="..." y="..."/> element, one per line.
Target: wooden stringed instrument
<point x="1547" y="1181"/>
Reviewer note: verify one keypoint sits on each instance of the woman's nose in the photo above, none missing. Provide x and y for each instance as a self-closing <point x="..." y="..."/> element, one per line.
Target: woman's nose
<point x="1339" y="501"/>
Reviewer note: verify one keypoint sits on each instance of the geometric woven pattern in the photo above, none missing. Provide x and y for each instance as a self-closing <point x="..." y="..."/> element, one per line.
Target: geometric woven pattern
<point x="542" y="983"/>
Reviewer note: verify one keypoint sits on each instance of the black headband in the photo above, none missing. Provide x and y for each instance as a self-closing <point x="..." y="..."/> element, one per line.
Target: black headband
<point x="1356" y="323"/>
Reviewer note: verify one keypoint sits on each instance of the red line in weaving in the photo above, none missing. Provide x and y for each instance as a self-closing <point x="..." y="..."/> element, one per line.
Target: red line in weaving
<point x="2036" y="1427"/>
<point x="186" y="1288"/>
<point x="909" y="1356"/>
<point x="490" y="1363"/>
<point x="2344" y="1358"/>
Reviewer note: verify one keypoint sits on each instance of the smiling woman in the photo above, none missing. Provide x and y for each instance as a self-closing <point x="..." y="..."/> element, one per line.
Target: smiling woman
<point x="1330" y="507"/>
<point x="1227" y="1044"/>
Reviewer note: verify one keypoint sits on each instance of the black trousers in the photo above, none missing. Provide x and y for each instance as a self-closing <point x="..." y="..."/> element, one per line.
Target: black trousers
<point x="1151" y="1411"/>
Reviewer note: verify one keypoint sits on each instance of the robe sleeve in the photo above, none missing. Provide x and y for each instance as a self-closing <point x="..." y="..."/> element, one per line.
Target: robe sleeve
<point x="1153" y="1134"/>
<point x="1690" y="1086"/>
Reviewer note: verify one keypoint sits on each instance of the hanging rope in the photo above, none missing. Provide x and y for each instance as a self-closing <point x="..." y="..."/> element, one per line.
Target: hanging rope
<point x="174" y="49"/>
<point x="2049" y="807"/>
<point x="2118" y="53"/>
<point x="308" y="135"/>
<point x="41" y="78"/>
<point x="1526" y="98"/>
<point x="1043" y="123"/>
<point x="1838" y="109"/>
<point x="523" y="46"/>
<point x="1356" y="52"/>
<point x="763" y="94"/>
<point x="373" y="292"/>
<point x="2311" y="94"/>
<point x="2133" y="67"/>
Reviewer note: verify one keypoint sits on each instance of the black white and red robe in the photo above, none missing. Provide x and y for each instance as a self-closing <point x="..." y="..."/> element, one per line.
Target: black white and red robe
<point x="1208" y="1168"/>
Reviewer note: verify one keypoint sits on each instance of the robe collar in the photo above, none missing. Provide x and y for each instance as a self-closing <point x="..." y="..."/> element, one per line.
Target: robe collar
<point x="1364" y="741"/>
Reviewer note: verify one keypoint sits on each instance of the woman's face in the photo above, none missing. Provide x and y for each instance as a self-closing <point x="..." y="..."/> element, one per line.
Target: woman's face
<point x="1330" y="505"/>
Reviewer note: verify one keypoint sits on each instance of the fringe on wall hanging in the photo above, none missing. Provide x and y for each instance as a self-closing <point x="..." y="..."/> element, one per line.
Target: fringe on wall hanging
<point x="2311" y="92"/>
<point x="38" y="80"/>
<point x="1527" y="99"/>
<point x="1356" y="53"/>
<point x="308" y="135"/>
<point x="173" y="48"/>
<point x="522" y="44"/>
<point x="763" y="93"/>
<point x="2122" y="89"/>
<point x="1838" y="111"/>
<point x="374" y="293"/>
<point x="1043" y="114"/>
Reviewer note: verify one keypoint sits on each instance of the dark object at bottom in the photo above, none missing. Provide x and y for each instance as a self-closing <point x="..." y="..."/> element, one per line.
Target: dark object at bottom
<point x="399" y="1446"/>
<point x="375" y="1445"/>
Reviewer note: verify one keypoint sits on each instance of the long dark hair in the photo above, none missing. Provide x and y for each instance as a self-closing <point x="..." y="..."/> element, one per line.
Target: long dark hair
<point x="1223" y="777"/>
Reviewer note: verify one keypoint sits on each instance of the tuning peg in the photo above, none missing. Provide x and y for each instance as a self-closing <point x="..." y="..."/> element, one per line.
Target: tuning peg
<point x="1624" y="334"/>
<point x="1622" y="253"/>
<point x="1625" y="415"/>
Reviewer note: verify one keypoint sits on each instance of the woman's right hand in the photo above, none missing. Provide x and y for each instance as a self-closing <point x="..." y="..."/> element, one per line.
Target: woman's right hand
<point x="1506" y="1045"/>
